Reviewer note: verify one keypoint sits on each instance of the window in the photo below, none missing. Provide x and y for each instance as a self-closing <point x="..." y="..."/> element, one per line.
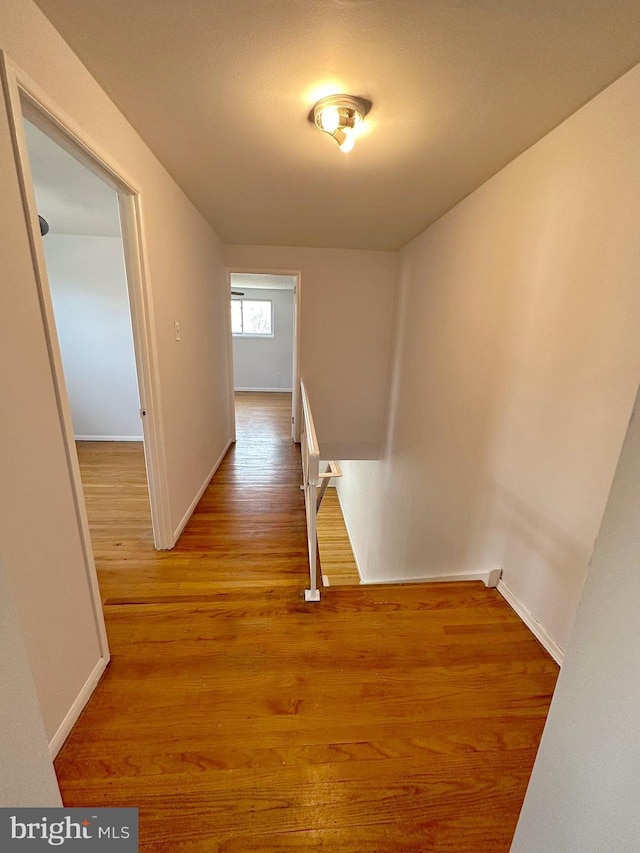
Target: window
<point x="252" y="317"/>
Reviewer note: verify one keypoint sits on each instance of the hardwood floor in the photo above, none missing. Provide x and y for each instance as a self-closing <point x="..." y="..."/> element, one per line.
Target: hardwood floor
<point x="114" y="480"/>
<point x="239" y="718"/>
<point x="337" y="562"/>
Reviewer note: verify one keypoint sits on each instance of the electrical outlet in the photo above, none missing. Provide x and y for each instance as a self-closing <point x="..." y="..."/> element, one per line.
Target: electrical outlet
<point x="278" y="375"/>
<point x="176" y="329"/>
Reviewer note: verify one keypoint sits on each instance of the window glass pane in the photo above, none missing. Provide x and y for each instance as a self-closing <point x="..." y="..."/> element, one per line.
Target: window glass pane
<point x="236" y="317"/>
<point x="256" y="317"/>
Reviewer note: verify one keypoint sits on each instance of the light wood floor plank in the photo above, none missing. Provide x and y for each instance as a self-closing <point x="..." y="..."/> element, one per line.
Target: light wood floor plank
<point x="337" y="562"/>
<point x="239" y="718"/>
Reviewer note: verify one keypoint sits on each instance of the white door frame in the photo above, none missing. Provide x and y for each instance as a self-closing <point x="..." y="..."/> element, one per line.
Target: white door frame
<point x="295" y="385"/>
<point x="26" y="99"/>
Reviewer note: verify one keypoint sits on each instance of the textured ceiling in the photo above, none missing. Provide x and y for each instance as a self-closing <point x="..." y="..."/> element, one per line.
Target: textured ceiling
<point x="70" y="197"/>
<point x="221" y="91"/>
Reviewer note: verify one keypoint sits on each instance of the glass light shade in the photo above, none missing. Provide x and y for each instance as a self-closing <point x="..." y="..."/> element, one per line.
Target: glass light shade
<point x="348" y="142"/>
<point x="330" y="119"/>
<point x="342" y="117"/>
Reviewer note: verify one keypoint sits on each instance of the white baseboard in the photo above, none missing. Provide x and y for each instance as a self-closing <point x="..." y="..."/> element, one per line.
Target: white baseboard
<point x="488" y="577"/>
<point x="64" y="729"/>
<point x="268" y="390"/>
<point x="540" y="633"/>
<point x="201" y="490"/>
<point x="108" y="437"/>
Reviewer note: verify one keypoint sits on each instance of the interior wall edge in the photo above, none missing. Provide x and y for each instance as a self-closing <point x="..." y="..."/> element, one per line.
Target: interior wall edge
<point x="537" y="628"/>
<point x="64" y="729"/>
<point x="194" y="503"/>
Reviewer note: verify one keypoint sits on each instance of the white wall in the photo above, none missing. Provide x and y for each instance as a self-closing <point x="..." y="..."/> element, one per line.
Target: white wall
<point x="347" y="300"/>
<point x="583" y="793"/>
<point x="89" y="289"/>
<point x="267" y="363"/>
<point x="39" y="535"/>
<point x="27" y="777"/>
<point x="517" y="360"/>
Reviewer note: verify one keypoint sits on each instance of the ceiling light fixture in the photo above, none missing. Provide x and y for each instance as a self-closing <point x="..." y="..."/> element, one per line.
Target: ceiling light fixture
<point x="341" y="116"/>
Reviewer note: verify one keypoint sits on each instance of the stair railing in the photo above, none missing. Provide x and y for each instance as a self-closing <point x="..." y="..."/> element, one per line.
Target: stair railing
<point x="314" y="485"/>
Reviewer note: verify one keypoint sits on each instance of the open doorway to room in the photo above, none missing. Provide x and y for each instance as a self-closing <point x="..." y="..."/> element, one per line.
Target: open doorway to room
<point x="264" y="339"/>
<point x="86" y="277"/>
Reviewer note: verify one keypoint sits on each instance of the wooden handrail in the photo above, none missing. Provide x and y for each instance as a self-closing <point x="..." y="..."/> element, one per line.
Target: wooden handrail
<point x="310" y="446"/>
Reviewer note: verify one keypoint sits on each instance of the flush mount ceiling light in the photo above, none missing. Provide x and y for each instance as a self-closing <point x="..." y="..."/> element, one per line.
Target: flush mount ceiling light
<point x="341" y="116"/>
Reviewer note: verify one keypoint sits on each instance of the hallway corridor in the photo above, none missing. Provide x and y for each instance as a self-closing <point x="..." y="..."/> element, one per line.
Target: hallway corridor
<point x="251" y="517"/>
<point x="239" y="718"/>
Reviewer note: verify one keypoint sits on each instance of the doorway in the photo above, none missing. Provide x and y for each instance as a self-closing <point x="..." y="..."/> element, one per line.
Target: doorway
<point x="31" y="110"/>
<point x="84" y="255"/>
<point x="265" y="337"/>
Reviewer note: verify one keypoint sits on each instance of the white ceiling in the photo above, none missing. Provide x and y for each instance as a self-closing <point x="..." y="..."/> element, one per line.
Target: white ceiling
<point x="70" y="197"/>
<point x="261" y="281"/>
<point x="221" y="91"/>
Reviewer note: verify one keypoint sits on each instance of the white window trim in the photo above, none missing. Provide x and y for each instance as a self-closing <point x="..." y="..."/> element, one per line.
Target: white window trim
<point x="253" y="334"/>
